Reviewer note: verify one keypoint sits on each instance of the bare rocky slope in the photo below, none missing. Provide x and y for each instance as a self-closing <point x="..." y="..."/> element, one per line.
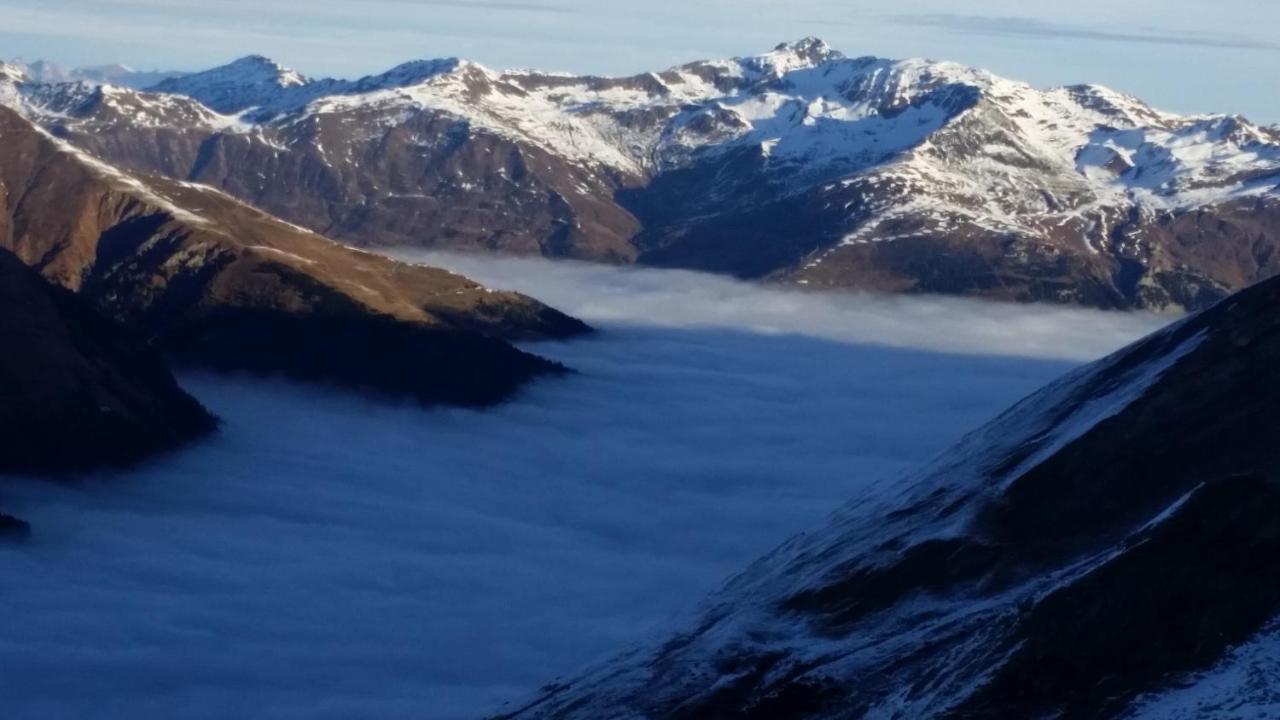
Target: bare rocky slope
<point x="213" y="281"/>
<point x="1106" y="548"/>
<point x="799" y="165"/>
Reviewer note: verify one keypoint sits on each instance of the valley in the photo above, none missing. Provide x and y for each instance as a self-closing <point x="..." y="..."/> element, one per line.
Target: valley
<point x="373" y="558"/>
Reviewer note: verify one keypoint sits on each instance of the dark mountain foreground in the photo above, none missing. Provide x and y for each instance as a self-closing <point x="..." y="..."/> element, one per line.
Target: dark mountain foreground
<point x="75" y="393"/>
<point x="1104" y="543"/>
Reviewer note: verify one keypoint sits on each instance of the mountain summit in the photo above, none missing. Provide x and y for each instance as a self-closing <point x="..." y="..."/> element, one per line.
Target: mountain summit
<point x="800" y="165"/>
<point x="250" y="81"/>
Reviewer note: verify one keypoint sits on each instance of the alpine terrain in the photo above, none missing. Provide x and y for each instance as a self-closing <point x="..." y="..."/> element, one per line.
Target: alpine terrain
<point x="1106" y="548"/>
<point x="215" y="282"/>
<point x="800" y="165"/>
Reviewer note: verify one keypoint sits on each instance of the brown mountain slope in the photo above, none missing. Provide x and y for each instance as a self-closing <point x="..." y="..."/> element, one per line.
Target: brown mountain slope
<point x="74" y="391"/>
<point x="216" y="282"/>
<point x="432" y="180"/>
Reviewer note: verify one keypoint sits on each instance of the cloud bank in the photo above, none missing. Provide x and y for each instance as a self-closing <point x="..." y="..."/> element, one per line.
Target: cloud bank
<point x="684" y="299"/>
<point x="328" y="556"/>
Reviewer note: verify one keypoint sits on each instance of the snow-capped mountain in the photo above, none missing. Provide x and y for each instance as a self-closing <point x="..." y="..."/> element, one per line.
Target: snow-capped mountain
<point x="799" y="165"/>
<point x="1105" y="548"/>
<point x="247" y="82"/>
<point x="43" y="71"/>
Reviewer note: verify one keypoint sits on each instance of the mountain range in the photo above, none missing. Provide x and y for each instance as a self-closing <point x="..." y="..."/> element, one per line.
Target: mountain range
<point x="799" y="165"/>
<point x="44" y="71"/>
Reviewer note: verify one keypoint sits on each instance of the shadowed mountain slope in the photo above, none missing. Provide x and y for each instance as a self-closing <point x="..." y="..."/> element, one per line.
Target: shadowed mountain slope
<point x="75" y="392"/>
<point x="1095" y="551"/>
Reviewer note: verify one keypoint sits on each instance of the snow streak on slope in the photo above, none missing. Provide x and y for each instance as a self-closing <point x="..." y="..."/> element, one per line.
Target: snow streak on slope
<point x="1244" y="686"/>
<point x="329" y="556"/>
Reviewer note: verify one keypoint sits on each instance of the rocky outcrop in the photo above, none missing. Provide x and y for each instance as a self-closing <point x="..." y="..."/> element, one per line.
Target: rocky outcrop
<point x="1106" y="543"/>
<point x="215" y="282"/>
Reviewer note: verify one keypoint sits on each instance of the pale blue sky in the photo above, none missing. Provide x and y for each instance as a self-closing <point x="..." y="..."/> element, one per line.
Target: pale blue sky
<point x="1185" y="55"/>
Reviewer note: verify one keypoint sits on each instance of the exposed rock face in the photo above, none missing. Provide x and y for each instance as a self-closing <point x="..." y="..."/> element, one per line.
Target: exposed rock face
<point x="75" y="392"/>
<point x="216" y="282"/>
<point x="1094" y="552"/>
<point x="799" y="165"/>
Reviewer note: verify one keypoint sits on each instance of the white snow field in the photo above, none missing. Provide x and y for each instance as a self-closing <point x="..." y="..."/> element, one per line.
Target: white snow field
<point x="329" y="555"/>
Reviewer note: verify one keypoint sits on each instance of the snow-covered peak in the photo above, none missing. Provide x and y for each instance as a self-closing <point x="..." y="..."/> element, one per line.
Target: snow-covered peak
<point x="261" y="69"/>
<point x="405" y="74"/>
<point x="804" y="53"/>
<point x="11" y="77"/>
<point x="11" y="73"/>
<point x="251" y="81"/>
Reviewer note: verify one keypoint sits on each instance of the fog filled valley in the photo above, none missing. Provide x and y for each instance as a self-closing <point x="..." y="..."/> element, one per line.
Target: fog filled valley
<point x="332" y="554"/>
<point x="387" y="360"/>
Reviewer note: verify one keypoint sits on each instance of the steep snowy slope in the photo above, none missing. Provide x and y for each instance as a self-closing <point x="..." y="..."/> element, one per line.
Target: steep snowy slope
<point x="1096" y="551"/>
<point x="800" y="165"/>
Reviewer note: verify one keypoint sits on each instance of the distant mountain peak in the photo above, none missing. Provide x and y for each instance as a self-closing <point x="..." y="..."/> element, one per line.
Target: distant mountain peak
<point x="787" y="56"/>
<point x="12" y="73"/>
<point x="408" y="73"/>
<point x="250" y="81"/>
<point x="810" y="46"/>
<point x="43" y="71"/>
<point x="255" y="69"/>
<point x="264" y="68"/>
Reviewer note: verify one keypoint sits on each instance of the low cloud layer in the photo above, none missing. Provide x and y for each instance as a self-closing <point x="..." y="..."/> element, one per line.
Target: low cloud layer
<point x="328" y="556"/>
<point x="683" y="299"/>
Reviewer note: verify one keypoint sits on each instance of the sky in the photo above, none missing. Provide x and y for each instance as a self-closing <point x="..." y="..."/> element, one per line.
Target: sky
<point x="326" y="555"/>
<point x="1180" y="55"/>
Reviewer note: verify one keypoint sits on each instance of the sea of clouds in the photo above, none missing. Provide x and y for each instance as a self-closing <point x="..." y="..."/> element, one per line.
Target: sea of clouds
<point x="332" y="556"/>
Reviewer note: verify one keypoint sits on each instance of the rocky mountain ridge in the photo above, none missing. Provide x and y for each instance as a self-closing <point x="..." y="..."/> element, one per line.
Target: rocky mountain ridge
<point x="799" y="165"/>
